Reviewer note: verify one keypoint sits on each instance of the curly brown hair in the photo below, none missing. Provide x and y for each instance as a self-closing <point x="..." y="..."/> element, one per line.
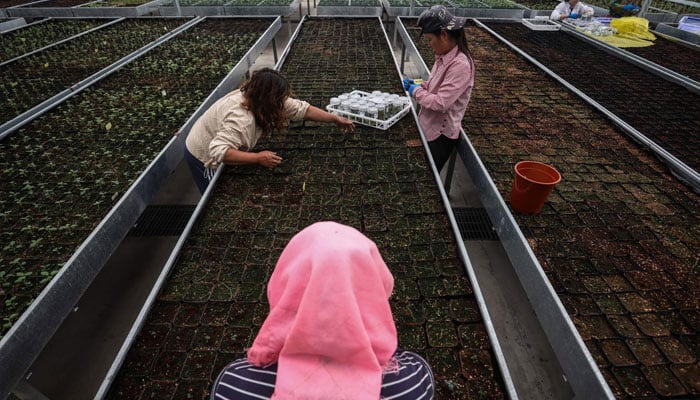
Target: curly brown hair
<point x="265" y="93"/>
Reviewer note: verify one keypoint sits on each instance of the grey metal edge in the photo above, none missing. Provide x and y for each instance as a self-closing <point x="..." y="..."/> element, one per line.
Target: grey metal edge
<point x="12" y="24"/>
<point x="396" y="11"/>
<point x="507" y="13"/>
<point x="174" y="153"/>
<point x="188" y="11"/>
<point x="224" y="10"/>
<point x="580" y="368"/>
<point x="284" y="10"/>
<point x="425" y="73"/>
<point x="41" y="108"/>
<point x="37" y="22"/>
<point x="349" y="10"/>
<point x="641" y="62"/>
<point x="56" y="43"/>
<point x="39" y="12"/>
<point x="662" y="16"/>
<point x="82" y="11"/>
<point x="678" y="168"/>
<point x="34" y="328"/>
<point x="678" y="34"/>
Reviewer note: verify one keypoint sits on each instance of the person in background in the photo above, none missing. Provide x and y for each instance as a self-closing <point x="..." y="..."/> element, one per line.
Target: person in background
<point x="330" y="332"/>
<point x="231" y="127"/>
<point x="571" y="9"/>
<point x="624" y="8"/>
<point x="444" y="97"/>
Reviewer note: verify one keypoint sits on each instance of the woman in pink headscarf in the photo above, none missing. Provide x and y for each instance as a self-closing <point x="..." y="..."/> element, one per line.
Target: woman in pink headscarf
<point x="330" y="333"/>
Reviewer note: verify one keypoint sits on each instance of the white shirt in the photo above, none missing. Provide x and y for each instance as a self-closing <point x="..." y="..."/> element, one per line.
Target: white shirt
<point x="564" y="8"/>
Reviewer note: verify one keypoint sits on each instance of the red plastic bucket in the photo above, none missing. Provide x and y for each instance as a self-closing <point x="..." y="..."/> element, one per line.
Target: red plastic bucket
<point x="532" y="185"/>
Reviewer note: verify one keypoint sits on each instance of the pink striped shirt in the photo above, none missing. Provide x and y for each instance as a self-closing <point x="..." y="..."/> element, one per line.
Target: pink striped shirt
<point x="445" y="95"/>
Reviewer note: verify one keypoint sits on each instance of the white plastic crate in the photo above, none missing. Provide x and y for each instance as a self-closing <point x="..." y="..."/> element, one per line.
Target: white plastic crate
<point x="382" y="124"/>
<point x="540" y="24"/>
<point x="689" y="24"/>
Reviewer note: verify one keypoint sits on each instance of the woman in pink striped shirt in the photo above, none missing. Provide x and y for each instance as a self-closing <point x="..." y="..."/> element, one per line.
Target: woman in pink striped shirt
<point x="445" y="95"/>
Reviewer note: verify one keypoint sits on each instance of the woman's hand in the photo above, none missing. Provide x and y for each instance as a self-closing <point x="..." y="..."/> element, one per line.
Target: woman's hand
<point x="269" y="159"/>
<point x="316" y="114"/>
<point x="344" y="124"/>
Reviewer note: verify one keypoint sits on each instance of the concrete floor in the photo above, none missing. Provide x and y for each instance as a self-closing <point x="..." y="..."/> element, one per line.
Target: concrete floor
<point x="76" y="360"/>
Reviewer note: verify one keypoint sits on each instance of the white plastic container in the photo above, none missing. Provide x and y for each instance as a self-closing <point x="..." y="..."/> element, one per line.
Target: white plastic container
<point x="372" y="112"/>
<point x="690" y="24"/>
<point x="539" y="24"/>
<point x="362" y="110"/>
<point x="335" y="102"/>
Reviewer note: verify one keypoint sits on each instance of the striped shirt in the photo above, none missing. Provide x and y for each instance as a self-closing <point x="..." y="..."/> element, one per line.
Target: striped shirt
<point x="242" y="381"/>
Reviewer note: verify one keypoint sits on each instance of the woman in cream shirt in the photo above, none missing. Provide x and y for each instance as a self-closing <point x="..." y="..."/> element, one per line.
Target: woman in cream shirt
<point x="230" y="128"/>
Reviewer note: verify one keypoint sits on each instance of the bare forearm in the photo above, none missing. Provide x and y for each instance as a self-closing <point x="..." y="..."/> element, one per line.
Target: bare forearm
<point x="316" y="114"/>
<point x="238" y="157"/>
<point x="265" y="158"/>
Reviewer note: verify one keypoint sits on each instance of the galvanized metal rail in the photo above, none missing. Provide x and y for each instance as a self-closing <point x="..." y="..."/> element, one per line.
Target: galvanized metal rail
<point x="415" y="10"/>
<point x="678" y="168"/>
<point x="79" y="11"/>
<point x="693" y="45"/>
<point x="579" y="367"/>
<point x="19" y="121"/>
<point x="350" y="10"/>
<point x="12" y="24"/>
<point x="60" y="41"/>
<point x="670" y="31"/>
<point x="30" y="334"/>
<point x="180" y="10"/>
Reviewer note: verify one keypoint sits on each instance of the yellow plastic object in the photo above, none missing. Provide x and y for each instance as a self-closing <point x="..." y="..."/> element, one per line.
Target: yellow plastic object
<point x="621" y="41"/>
<point x="633" y="27"/>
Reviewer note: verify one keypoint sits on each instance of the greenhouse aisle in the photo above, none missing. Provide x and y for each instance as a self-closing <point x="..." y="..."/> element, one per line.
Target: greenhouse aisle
<point x="531" y="361"/>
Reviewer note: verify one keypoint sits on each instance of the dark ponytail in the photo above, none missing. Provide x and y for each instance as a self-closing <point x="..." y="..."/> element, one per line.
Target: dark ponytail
<point x="459" y="36"/>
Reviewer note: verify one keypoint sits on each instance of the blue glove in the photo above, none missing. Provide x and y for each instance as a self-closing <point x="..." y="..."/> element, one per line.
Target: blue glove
<point x="412" y="89"/>
<point x="628" y="7"/>
<point x="407" y="83"/>
<point x="573" y="15"/>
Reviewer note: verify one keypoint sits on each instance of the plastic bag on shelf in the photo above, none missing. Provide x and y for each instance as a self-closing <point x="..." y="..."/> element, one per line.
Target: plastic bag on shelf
<point x="633" y="27"/>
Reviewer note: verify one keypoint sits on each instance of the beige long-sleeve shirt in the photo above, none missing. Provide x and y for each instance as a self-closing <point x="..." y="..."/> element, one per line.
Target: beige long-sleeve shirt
<point x="227" y="124"/>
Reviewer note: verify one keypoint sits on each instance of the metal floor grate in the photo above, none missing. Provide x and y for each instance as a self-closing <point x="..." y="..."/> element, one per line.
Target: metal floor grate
<point x="162" y="220"/>
<point x="474" y="224"/>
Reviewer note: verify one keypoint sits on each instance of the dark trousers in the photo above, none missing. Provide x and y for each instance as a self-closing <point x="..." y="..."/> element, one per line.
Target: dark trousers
<point x="199" y="172"/>
<point x="440" y="149"/>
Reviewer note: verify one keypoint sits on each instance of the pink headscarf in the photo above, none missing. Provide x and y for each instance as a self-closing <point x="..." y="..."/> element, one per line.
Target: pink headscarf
<point x="330" y="327"/>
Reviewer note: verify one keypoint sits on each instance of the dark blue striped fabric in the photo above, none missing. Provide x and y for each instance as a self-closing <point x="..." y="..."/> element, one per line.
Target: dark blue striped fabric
<point x="242" y="381"/>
